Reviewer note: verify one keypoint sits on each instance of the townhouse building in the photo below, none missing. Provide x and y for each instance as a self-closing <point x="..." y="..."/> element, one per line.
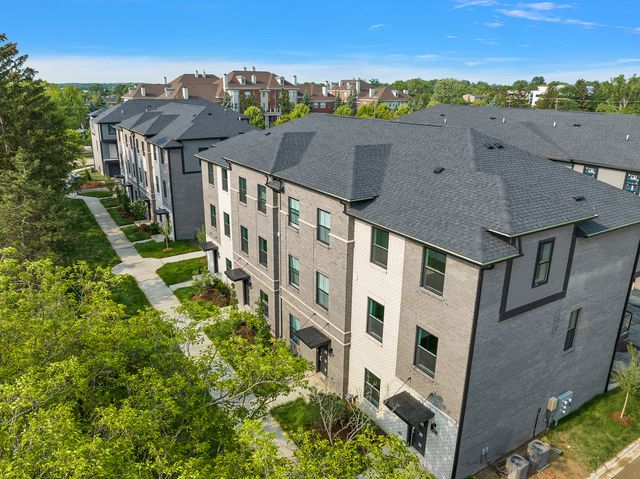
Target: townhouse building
<point x="321" y="100"/>
<point x="188" y="85"/>
<point x="391" y="97"/>
<point x="263" y="88"/>
<point x="346" y="88"/>
<point x="157" y="148"/>
<point x="449" y="281"/>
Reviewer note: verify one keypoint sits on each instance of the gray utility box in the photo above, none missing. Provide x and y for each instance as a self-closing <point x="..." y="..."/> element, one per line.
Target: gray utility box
<point x="517" y="467"/>
<point x="564" y="405"/>
<point x="538" y="452"/>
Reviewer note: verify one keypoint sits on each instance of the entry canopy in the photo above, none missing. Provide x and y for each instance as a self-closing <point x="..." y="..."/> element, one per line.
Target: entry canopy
<point x="208" y="246"/>
<point x="409" y="409"/>
<point x="237" y="274"/>
<point x="312" y="337"/>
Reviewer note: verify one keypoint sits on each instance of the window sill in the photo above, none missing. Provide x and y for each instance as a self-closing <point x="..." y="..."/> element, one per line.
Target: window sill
<point x="427" y="374"/>
<point x="374" y="340"/>
<point x="382" y="269"/>
<point x="323" y="244"/>
<point x="570" y="350"/>
<point x="433" y="294"/>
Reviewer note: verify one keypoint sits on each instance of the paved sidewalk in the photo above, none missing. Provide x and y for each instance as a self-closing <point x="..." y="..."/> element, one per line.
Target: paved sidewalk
<point x="159" y="294"/>
<point x="625" y="465"/>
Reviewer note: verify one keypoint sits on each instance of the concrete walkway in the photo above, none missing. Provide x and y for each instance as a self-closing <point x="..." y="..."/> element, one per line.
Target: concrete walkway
<point x="625" y="465"/>
<point x="159" y="294"/>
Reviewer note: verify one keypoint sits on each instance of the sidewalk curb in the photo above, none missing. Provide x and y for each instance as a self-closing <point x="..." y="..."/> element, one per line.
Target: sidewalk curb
<point x="614" y="466"/>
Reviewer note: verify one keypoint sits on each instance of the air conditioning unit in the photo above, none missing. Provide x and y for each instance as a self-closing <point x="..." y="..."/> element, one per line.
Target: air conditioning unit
<point x="517" y="467"/>
<point x="538" y="452"/>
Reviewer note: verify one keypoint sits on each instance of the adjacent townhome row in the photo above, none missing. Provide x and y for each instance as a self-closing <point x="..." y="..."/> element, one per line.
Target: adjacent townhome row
<point x="449" y="281"/>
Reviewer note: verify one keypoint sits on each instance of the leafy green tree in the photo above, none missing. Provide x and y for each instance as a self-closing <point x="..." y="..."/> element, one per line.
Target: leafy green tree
<point x="628" y="377"/>
<point x="226" y="101"/>
<point x="537" y="81"/>
<point x="382" y="110"/>
<point x="298" y="111"/>
<point x="70" y="101"/>
<point x="256" y="116"/>
<point x="247" y="102"/>
<point x="403" y="110"/>
<point x="343" y="110"/>
<point x="548" y="100"/>
<point x="166" y="230"/>
<point x="366" y="110"/>
<point x="284" y="103"/>
<point x="375" y="83"/>
<point x="448" y="90"/>
<point x="582" y="95"/>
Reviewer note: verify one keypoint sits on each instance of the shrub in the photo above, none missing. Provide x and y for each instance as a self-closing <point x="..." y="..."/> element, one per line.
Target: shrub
<point x="138" y="209"/>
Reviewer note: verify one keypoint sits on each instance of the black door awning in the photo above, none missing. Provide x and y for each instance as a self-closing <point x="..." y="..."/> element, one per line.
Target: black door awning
<point x="161" y="211"/>
<point x="208" y="246"/>
<point x="237" y="274"/>
<point x="409" y="409"/>
<point x="312" y="337"/>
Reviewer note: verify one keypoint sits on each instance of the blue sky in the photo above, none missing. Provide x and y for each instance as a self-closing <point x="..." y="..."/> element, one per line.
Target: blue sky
<point x="493" y="40"/>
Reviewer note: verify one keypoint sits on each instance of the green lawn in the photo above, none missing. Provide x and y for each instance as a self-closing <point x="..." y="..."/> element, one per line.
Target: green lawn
<point x="129" y="293"/>
<point x="295" y="415"/>
<point x="134" y="233"/>
<point x="96" y="194"/>
<point x="97" y="176"/>
<point x="590" y="436"/>
<point x="116" y="214"/>
<point x="86" y="240"/>
<point x="184" y="295"/>
<point x="151" y="249"/>
<point x="110" y="202"/>
<point x="180" y="271"/>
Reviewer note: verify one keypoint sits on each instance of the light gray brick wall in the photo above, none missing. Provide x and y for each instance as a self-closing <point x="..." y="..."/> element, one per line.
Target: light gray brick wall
<point x="519" y="363"/>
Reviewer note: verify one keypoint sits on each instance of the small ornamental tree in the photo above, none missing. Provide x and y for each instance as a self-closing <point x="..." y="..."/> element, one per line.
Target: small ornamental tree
<point x="139" y="210"/>
<point x="343" y="110"/>
<point x="165" y="230"/>
<point x="352" y="102"/>
<point x="382" y="110"/>
<point x="306" y="100"/>
<point x="402" y="110"/>
<point x="628" y="378"/>
<point x="337" y="103"/>
<point x="256" y="116"/>
<point x="366" y="111"/>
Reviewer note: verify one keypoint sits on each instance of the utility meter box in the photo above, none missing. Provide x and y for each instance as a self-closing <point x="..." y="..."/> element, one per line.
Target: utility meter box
<point x="565" y="401"/>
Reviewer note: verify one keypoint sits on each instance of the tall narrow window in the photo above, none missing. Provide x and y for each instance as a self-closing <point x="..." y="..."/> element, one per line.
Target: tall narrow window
<point x="324" y="226"/>
<point x="157" y="185"/>
<point x="210" y="173"/>
<point x="571" y="330"/>
<point x="213" y="219"/>
<point x="426" y="351"/>
<point x="164" y="188"/>
<point x="375" y="319"/>
<point x="371" y="388"/>
<point x="225" y="180"/>
<point x="262" y="251"/>
<point x="242" y="190"/>
<point x="322" y="290"/>
<point x="227" y="224"/>
<point x="264" y="301"/>
<point x="543" y="263"/>
<point x="244" y="239"/>
<point x="294" y="325"/>
<point x="262" y="198"/>
<point x="228" y="264"/>
<point x="379" y="247"/>
<point x="294" y="213"/>
<point x="433" y="267"/>
<point x="294" y="271"/>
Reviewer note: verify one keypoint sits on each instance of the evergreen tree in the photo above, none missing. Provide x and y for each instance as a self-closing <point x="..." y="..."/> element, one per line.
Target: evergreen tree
<point x="306" y="100"/>
<point x="582" y="95"/>
<point x="548" y="100"/>
<point x="337" y="103"/>
<point x="352" y="102"/>
<point x="283" y="102"/>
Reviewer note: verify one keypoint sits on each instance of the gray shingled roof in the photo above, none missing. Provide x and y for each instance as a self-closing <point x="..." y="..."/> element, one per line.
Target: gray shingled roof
<point x="124" y="110"/>
<point x="176" y="120"/>
<point x="601" y="138"/>
<point x="386" y="170"/>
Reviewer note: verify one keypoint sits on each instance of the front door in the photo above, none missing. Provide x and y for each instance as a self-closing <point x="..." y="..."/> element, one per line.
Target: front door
<point x="245" y="292"/>
<point x="419" y="437"/>
<point x="322" y="359"/>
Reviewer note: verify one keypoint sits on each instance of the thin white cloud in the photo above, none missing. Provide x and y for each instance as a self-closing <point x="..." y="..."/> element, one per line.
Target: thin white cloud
<point x="544" y="5"/>
<point x="628" y="60"/>
<point x="377" y="26"/>
<point x="495" y="23"/>
<point x="472" y="63"/>
<point x="428" y="56"/>
<point x="526" y="12"/>
<point x="524" y="45"/>
<point x="487" y="41"/>
<point x="474" y="3"/>
<point x="451" y="37"/>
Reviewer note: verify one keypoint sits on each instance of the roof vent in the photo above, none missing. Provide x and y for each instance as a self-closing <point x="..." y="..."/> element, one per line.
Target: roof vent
<point x="492" y="118"/>
<point x="627" y="138"/>
<point x="577" y="124"/>
<point x="579" y="198"/>
<point x="503" y="119"/>
<point x="210" y="114"/>
<point x="445" y="120"/>
<point x="438" y="169"/>
<point x="489" y="146"/>
<point x="267" y="133"/>
<point x="442" y="114"/>
<point x="555" y="123"/>
<point x="493" y="145"/>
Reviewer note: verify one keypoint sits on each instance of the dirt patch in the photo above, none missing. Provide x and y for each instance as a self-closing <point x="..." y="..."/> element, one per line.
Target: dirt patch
<point x="625" y="421"/>
<point x="91" y="184"/>
<point x="213" y="296"/>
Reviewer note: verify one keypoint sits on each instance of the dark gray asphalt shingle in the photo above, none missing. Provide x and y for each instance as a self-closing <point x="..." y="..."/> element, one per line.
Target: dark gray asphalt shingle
<point x="504" y="190"/>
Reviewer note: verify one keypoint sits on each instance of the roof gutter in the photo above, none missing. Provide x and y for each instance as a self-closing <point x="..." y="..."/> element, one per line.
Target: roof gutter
<point x="612" y="229"/>
<point x="545" y="228"/>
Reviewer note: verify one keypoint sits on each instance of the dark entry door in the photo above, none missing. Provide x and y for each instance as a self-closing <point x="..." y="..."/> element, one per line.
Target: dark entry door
<point x="419" y="437"/>
<point x="323" y="359"/>
<point x="245" y="292"/>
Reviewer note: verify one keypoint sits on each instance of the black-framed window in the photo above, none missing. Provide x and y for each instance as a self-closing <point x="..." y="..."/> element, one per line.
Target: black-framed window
<point x="591" y="171"/>
<point x="426" y="351"/>
<point x="632" y="183"/>
<point x="294" y="271"/>
<point x="379" y="247"/>
<point x="375" y="319"/>
<point x="322" y="290"/>
<point x="324" y="226"/>
<point x="244" y="239"/>
<point x="110" y="129"/>
<point x="157" y="185"/>
<point x="227" y="224"/>
<point x="264" y="301"/>
<point x="294" y="326"/>
<point x="164" y="188"/>
<point x="294" y="213"/>
<point x="434" y="264"/>
<point x="262" y="251"/>
<point x="262" y="198"/>
<point x="225" y="180"/>
<point x="242" y="190"/>
<point x="371" y="387"/>
<point x="213" y="217"/>
<point x="571" y="330"/>
<point x="210" y="173"/>
<point x="543" y="263"/>
<point x="228" y="264"/>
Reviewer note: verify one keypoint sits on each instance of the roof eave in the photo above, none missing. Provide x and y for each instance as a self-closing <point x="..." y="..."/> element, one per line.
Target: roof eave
<point x="544" y="228"/>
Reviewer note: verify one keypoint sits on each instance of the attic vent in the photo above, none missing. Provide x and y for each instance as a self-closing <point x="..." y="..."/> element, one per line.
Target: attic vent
<point x="492" y="118"/>
<point x="579" y="198"/>
<point x="438" y="169"/>
<point x="493" y="145"/>
<point x="577" y="124"/>
<point x="442" y="114"/>
<point x="267" y="133"/>
<point x="210" y="114"/>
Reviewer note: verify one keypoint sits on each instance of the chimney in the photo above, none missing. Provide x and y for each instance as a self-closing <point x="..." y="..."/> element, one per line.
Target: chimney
<point x="196" y="73"/>
<point x="295" y="80"/>
<point x="165" y="80"/>
<point x="325" y="91"/>
<point x="253" y="68"/>
<point x="245" y="68"/>
<point x="224" y="82"/>
<point x="372" y="92"/>
<point x="358" y="86"/>
<point x="254" y="80"/>
<point x="395" y="92"/>
<point x="143" y="91"/>
<point x="204" y="74"/>
<point x="185" y="92"/>
<point x="327" y="83"/>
